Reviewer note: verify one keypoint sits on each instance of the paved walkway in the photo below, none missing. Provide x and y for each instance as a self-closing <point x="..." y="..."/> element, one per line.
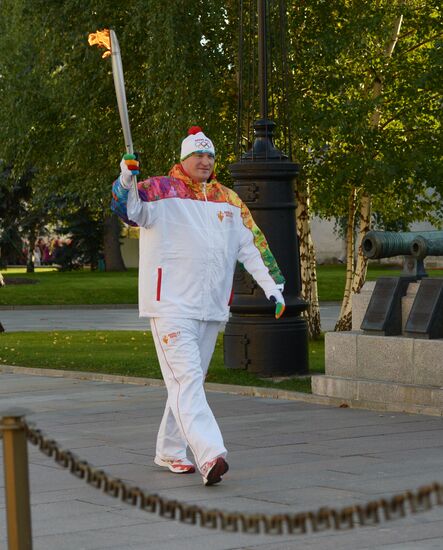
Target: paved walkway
<point x="285" y="456"/>
<point x="122" y="318"/>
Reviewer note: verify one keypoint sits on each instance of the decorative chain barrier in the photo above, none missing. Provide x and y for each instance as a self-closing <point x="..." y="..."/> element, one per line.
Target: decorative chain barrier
<point x="371" y="513"/>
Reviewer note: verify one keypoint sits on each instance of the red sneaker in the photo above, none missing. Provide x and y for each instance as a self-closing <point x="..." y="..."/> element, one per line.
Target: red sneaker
<point x="213" y="470"/>
<point x="176" y="465"/>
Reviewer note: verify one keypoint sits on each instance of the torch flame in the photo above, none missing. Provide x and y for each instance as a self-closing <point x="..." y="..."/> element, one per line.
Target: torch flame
<point x="102" y="39"/>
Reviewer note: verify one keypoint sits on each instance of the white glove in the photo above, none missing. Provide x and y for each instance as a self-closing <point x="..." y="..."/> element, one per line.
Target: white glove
<point x="277" y="295"/>
<point x="277" y="298"/>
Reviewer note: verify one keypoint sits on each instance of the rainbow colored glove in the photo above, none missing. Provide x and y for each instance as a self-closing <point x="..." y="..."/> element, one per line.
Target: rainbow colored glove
<point x="279" y="301"/>
<point x="129" y="166"/>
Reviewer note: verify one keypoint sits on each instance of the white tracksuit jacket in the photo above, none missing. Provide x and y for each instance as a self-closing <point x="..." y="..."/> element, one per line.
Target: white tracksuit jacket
<point x="191" y="236"/>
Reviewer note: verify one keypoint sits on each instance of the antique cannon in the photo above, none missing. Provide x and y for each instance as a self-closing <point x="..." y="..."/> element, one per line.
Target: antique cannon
<point x="385" y="244"/>
<point x="413" y="245"/>
<point x="384" y="313"/>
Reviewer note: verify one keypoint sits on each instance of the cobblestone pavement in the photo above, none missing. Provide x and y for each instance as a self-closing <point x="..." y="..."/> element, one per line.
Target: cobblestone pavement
<point x="284" y="456"/>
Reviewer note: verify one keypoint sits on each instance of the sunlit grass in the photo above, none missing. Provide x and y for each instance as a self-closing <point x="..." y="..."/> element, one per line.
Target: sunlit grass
<point x="51" y="287"/>
<point x="332" y="278"/>
<point x="125" y="353"/>
<point x="87" y="287"/>
<point x="95" y="287"/>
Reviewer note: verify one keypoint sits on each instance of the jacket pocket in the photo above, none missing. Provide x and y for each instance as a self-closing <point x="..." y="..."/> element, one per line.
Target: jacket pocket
<point x="159" y="283"/>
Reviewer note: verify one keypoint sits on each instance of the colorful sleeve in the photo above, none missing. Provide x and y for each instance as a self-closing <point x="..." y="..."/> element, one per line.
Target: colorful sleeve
<point x="254" y="245"/>
<point x="119" y="202"/>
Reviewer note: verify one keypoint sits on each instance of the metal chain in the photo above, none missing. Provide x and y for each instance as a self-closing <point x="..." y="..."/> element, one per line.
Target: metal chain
<point x="371" y="513"/>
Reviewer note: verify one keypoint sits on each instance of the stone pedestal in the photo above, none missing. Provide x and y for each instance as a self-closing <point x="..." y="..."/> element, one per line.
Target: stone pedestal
<point x="393" y="373"/>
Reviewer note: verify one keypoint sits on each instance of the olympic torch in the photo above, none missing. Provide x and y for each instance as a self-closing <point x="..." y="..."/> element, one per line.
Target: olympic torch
<point x="107" y="39"/>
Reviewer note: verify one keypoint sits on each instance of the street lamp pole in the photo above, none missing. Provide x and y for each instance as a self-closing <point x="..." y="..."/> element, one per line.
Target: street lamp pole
<point x="263" y="178"/>
<point x="262" y="59"/>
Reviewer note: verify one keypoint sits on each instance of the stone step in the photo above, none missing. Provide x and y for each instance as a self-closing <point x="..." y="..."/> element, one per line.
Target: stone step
<point x="381" y="395"/>
<point x="385" y="358"/>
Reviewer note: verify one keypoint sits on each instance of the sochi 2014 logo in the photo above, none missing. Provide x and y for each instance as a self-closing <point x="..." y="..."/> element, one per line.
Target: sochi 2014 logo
<point x="169" y="338"/>
<point x="226" y="214"/>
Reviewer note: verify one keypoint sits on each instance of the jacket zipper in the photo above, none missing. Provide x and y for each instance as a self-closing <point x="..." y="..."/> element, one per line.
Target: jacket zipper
<point x="207" y="236"/>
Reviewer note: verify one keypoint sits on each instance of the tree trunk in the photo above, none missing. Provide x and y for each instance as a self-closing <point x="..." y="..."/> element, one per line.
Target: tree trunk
<point x="359" y="272"/>
<point x="308" y="265"/>
<point x="350" y="260"/>
<point x="2" y="283"/>
<point x="111" y="244"/>
<point x="362" y="262"/>
<point x="30" y="260"/>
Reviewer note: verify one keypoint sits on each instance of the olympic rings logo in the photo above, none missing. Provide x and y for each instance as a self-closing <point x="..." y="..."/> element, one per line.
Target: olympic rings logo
<point x="203" y="143"/>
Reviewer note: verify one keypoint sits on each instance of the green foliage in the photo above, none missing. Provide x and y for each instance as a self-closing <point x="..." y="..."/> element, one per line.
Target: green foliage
<point x="85" y="244"/>
<point x="174" y="60"/>
<point x="14" y="198"/>
<point x="338" y="56"/>
<point x="59" y="117"/>
<point x="58" y="109"/>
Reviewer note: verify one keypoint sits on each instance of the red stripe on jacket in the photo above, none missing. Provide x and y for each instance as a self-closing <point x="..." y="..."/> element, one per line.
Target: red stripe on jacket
<point x="159" y="283"/>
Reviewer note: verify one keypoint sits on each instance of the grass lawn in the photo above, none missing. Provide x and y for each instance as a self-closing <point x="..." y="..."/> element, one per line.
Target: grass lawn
<point x="126" y="353"/>
<point x="331" y="278"/>
<point x="85" y="287"/>
<point x="52" y="287"/>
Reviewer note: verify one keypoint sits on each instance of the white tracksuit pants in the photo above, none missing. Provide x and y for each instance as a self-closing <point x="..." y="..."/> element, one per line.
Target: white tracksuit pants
<point x="184" y="349"/>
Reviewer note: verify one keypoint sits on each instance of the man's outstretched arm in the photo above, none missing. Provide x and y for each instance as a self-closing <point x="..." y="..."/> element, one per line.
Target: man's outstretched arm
<point x="259" y="261"/>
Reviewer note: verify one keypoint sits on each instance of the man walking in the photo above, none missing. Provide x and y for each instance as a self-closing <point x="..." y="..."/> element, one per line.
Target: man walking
<point x="193" y="230"/>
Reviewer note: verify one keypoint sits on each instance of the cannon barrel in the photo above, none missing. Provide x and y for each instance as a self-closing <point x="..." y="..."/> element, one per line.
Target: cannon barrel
<point x="385" y="244"/>
<point x="423" y="246"/>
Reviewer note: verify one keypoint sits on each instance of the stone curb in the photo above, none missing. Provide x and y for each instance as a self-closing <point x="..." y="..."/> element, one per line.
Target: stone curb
<point x="232" y="389"/>
<point x="251" y="391"/>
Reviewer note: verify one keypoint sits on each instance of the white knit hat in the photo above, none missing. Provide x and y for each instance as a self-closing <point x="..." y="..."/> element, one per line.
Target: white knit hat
<point x="196" y="142"/>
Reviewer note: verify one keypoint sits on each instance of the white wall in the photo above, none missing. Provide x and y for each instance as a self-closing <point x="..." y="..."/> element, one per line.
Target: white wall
<point x="129" y="250"/>
<point x="328" y="247"/>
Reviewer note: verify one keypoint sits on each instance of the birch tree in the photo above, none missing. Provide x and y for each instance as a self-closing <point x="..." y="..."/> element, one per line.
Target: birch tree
<point x="308" y="264"/>
<point x="365" y="114"/>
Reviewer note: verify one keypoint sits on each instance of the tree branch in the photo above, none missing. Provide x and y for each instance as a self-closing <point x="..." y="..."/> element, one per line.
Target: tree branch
<point x="383" y="126"/>
<point x="421" y="44"/>
<point x="407" y="34"/>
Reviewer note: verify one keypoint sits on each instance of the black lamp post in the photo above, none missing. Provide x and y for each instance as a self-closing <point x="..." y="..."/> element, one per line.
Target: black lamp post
<point x="263" y="178"/>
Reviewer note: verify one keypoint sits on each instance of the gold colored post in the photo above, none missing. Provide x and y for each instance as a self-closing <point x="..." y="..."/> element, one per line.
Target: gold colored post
<point x="18" y="506"/>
